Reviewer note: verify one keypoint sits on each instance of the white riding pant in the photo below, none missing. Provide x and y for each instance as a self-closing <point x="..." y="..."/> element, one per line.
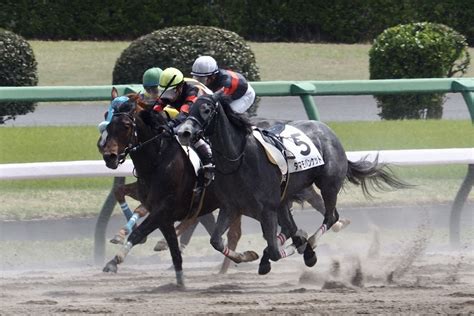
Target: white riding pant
<point x="243" y="103"/>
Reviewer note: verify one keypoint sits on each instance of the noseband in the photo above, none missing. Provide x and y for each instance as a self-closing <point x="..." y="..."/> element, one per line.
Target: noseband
<point x="210" y="121"/>
<point x="133" y="143"/>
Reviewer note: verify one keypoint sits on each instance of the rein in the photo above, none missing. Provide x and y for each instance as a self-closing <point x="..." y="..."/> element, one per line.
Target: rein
<point x="131" y="147"/>
<point x="205" y="127"/>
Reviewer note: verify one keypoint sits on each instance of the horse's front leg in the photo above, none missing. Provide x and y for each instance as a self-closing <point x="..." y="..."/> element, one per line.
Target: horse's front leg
<point x="289" y="229"/>
<point x="224" y="220"/>
<point x="138" y="213"/>
<point x="269" y="223"/>
<point x="135" y="237"/>
<point x="169" y="233"/>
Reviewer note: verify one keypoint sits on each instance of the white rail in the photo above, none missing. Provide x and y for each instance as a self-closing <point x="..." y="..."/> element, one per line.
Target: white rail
<point x="97" y="168"/>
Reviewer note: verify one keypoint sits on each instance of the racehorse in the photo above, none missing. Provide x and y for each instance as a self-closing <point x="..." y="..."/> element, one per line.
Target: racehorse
<point x="184" y="229"/>
<point x="247" y="182"/>
<point x="126" y="131"/>
<point x="166" y="177"/>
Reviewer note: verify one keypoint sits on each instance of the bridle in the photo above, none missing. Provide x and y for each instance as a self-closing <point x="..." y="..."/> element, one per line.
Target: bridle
<point x="133" y="144"/>
<point x="204" y="130"/>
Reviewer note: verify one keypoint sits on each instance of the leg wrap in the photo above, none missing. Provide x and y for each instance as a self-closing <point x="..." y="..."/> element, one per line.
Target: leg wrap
<point x="131" y="222"/>
<point x="126" y="210"/>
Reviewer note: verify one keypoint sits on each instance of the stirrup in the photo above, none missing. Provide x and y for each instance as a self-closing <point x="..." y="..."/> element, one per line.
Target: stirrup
<point x="288" y="154"/>
<point x="209" y="173"/>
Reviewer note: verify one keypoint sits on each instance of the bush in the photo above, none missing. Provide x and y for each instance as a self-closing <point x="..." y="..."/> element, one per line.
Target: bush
<point x="179" y="46"/>
<point x="418" y="50"/>
<point x="276" y="20"/>
<point x="17" y="68"/>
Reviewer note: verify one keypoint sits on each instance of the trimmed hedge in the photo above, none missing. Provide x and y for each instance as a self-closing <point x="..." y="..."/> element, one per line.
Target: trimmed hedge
<point x="275" y="20"/>
<point x="17" y="68"/>
<point x="179" y="46"/>
<point x="419" y="50"/>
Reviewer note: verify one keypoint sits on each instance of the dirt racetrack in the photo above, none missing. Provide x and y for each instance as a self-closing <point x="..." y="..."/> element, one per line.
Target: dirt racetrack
<point x="372" y="272"/>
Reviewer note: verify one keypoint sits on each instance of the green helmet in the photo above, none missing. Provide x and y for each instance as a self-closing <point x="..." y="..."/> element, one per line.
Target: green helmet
<point x="151" y="77"/>
<point x="170" y="78"/>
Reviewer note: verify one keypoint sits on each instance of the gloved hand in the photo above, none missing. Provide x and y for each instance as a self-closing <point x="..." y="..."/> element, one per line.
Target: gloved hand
<point x="172" y="124"/>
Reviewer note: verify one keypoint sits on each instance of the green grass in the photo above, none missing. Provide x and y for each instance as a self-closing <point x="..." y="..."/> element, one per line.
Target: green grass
<point x="92" y="63"/>
<point x="84" y="197"/>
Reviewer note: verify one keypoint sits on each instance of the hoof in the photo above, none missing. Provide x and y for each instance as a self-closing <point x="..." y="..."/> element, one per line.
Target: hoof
<point x="249" y="256"/>
<point x="340" y="224"/>
<point x="111" y="266"/>
<point x="161" y="245"/>
<point x="118" y="240"/>
<point x="310" y="257"/>
<point x="143" y="240"/>
<point x="264" y="268"/>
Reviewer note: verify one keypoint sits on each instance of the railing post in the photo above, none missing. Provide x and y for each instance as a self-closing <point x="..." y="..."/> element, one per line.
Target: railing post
<point x="103" y="221"/>
<point x="456" y="210"/>
<point x="310" y="107"/>
<point x="469" y="98"/>
<point x="305" y="90"/>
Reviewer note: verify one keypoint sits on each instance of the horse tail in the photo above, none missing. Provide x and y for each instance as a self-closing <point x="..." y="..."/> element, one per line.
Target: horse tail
<point x="373" y="175"/>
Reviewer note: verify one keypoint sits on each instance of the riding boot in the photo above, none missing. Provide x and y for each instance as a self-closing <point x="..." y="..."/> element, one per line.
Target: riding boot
<point x="205" y="154"/>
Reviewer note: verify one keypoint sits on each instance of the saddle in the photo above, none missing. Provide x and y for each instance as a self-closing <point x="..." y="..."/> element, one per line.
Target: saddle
<point x="271" y="136"/>
<point x="275" y="150"/>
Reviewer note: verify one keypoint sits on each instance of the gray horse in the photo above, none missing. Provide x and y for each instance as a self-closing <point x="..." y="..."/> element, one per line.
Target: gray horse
<point x="248" y="183"/>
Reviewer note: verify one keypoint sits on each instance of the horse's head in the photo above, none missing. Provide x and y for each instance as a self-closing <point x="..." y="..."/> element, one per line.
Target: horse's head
<point x="208" y="112"/>
<point x="200" y="120"/>
<point x="118" y="132"/>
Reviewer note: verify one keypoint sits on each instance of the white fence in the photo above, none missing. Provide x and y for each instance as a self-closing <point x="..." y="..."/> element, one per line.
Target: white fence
<point x="97" y="168"/>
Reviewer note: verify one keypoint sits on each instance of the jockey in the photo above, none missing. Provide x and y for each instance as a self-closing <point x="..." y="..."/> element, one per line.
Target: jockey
<point x="181" y="93"/>
<point x="233" y="84"/>
<point x="151" y="80"/>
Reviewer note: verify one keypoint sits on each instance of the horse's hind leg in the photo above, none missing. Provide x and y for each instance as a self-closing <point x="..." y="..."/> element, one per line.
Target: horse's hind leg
<point x="233" y="237"/>
<point x="224" y="219"/>
<point x="209" y="223"/>
<point x="329" y="195"/>
<point x="316" y="201"/>
<point x="180" y="229"/>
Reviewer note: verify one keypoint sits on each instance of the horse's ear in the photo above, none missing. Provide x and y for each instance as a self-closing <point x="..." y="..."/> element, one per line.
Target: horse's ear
<point x="139" y="106"/>
<point x="114" y="93"/>
<point x="133" y="96"/>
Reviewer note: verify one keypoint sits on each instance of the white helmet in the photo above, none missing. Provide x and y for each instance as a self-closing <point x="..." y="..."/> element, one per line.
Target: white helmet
<point x="204" y="66"/>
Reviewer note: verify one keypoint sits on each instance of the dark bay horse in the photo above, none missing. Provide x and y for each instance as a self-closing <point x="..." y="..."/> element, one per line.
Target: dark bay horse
<point x="248" y="183"/>
<point x="166" y="177"/>
<point x="184" y="229"/>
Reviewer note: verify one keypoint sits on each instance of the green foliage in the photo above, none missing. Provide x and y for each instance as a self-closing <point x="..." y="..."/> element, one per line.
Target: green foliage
<point x="418" y="50"/>
<point x="17" y="68"/>
<point x="276" y="20"/>
<point x="179" y="46"/>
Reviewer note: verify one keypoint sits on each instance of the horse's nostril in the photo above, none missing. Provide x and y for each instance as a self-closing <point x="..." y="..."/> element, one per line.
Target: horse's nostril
<point x="186" y="134"/>
<point x="109" y="156"/>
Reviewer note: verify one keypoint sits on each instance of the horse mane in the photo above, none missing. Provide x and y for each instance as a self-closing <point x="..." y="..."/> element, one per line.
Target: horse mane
<point x="239" y="120"/>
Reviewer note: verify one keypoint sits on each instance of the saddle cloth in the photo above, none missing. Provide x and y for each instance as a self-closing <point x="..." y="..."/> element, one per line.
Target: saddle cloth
<point x="193" y="157"/>
<point x="305" y="154"/>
